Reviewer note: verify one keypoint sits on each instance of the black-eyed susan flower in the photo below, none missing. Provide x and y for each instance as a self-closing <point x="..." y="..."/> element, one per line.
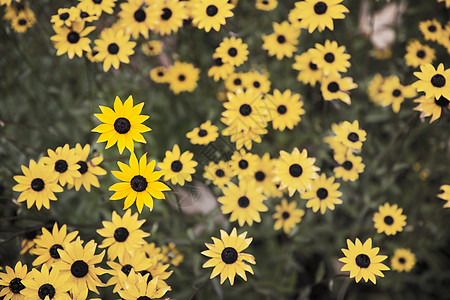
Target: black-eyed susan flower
<point x="445" y="194"/>
<point x="137" y="17"/>
<point x="335" y="87"/>
<point x="37" y="185"/>
<point x="232" y="51"/>
<point x="284" y="109"/>
<point x="204" y="134"/>
<point x="243" y="202"/>
<point x="227" y="257"/>
<point x="363" y="261"/>
<point x="349" y="134"/>
<point x="403" y="260"/>
<point x="432" y="107"/>
<point x="431" y="29"/>
<point x="394" y="93"/>
<point x="64" y="162"/>
<point x="220" y="173"/>
<point x="433" y="82"/>
<point x="171" y="16"/>
<point x="178" y="167"/>
<point x="152" y="48"/>
<point x="47" y="245"/>
<point x="139" y="183"/>
<point x="418" y="54"/>
<point x="65" y="17"/>
<point x="257" y="81"/>
<point x="350" y="166"/>
<point x="243" y="163"/>
<point x="24" y="19"/>
<point x="219" y="70"/>
<point x="48" y="283"/>
<point x="244" y="109"/>
<point x="210" y="14"/>
<point x="263" y="175"/>
<point x="86" y="16"/>
<point x="330" y="57"/>
<point x="389" y="219"/>
<point x="159" y="74"/>
<point x="97" y="6"/>
<point x="11" y="282"/>
<point x="319" y="13"/>
<point x="235" y="82"/>
<point x="283" y="41"/>
<point x="324" y="193"/>
<point x="287" y="216"/>
<point x="246" y="136"/>
<point x="171" y="254"/>
<point x="80" y="264"/>
<point x="114" y="46"/>
<point x="89" y="169"/>
<point x="142" y="287"/>
<point x="152" y="251"/>
<point x="295" y="171"/>
<point x="138" y="262"/>
<point x="182" y="77"/>
<point x="123" y="125"/>
<point x="158" y="270"/>
<point x="266" y="5"/>
<point x="309" y="72"/>
<point x="122" y="235"/>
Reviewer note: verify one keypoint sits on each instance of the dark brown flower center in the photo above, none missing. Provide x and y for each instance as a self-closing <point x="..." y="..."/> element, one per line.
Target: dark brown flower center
<point x="220" y="173"/>
<point x="320" y="8"/>
<point x="322" y="193"/>
<point x="122" y="125"/>
<point x="211" y="10"/>
<point x="295" y="170"/>
<point x="281" y="39"/>
<point x="113" y="48"/>
<point x="64" y="16"/>
<point x="16" y="285"/>
<point x="438" y="80"/>
<point x="313" y="66"/>
<point x="139" y="183"/>
<point x="83" y="167"/>
<point x="362" y="261"/>
<point x="232" y="52"/>
<point x="353" y="137"/>
<point x="333" y="87"/>
<point x="61" y="166"/>
<point x="389" y="220"/>
<point x="73" y="37"/>
<point x="281" y="109"/>
<point x="121" y="234"/>
<point x="176" y="166"/>
<point x="140" y="15"/>
<point x="401" y="260"/>
<point x="243" y="164"/>
<point x="126" y="269"/>
<point x="260" y="176"/>
<point x="79" y="269"/>
<point x="181" y="77"/>
<point x="229" y="255"/>
<point x="37" y="184"/>
<point x="442" y="101"/>
<point x="46" y="290"/>
<point x="243" y="202"/>
<point x="285" y="215"/>
<point x="329" y="57"/>
<point x="167" y="14"/>
<point x="348" y="165"/>
<point x="396" y="93"/>
<point x="420" y="54"/>
<point x="54" y="251"/>
<point x="245" y="110"/>
<point x="202" y="133"/>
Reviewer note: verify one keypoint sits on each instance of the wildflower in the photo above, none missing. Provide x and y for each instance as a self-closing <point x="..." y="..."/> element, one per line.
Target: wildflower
<point x="232" y="51"/>
<point x="330" y="57"/>
<point x="11" y="281"/>
<point x="418" y="54"/>
<point x="350" y="166"/>
<point x="47" y="283"/>
<point x="220" y="173"/>
<point x="322" y="194"/>
<point x="182" y="77"/>
<point x="320" y="13"/>
<point x="204" y="134"/>
<point x="335" y="87"/>
<point x="283" y="42"/>
<point x="393" y="92"/>
<point x="210" y="14"/>
<point x="309" y="72"/>
<point x="114" y="46"/>
<point x="403" y="260"/>
<point x="389" y="219"/>
<point x="287" y="216"/>
<point x="178" y="167"/>
<point x="432" y="107"/>
<point x="434" y="82"/>
<point x="171" y="16"/>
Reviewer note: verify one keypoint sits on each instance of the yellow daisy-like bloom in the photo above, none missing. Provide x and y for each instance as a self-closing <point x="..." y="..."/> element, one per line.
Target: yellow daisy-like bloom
<point x="244" y="203"/>
<point x="23" y="20"/>
<point x="309" y="72"/>
<point x="403" y="260"/>
<point x="152" y="48"/>
<point x="97" y="7"/>
<point x="287" y="216"/>
<point x="138" y="262"/>
<point x="393" y="92"/>
<point x="431" y="30"/>
<point x="182" y="77"/>
<point x="323" y="194"/>
<point x="123" y="125"/>
<point x="89" y="169"/>
<point x="374" y="89"/>
<point x="178" y="167"/>
<point x="11" y="281"/>
<point x="158" y="270"/>
<point x="139" y="183"/>
<point x="363" y="261"/>
<point x="245" y="137"/>
<point x="171" y="16"/>
<point x="389" y="219"/>
<point x="295" y="171"/>
<point x="64" y="161"/>
<point x="445" y="195"/>
<point x="137" y="17"/>
<point x="266" y="5"/>
<point x="227" y="257"/>
<point x="283" y="42"/>
<point x="38" y="185"/>
<point x="235" y="82"/>
<point x="219" y="70"/>
<point x="319" y="13"/>
<point x="244" y="110"/>
<point x="349" y="134"/>
<point x="65" y="17"/>
<point x="211" y="13"/>
<point x="418" y="54"/>
<point x="220" y="174"/>
<point x="47" y="245"/>
<point x="335" y="87"/>
<point x="243" y="164"/>
<point x="122" y="235"/>
<point x="232" y="51"/>
<point x="432" y="107"/>
<point x="263" y="175"/>
<point x="141" y="287"/>
<point x="204" y="134"/>
<point x="434" y="82"/>
<point x="350" y="166"/>
<point x="284" y="109"/>
<point x="114" y="47"/>
<point x="47" y="284"/>
<point x="159" y="74"/>
<point x="172" y="255"/>
<point x="79" y="263"/>
<point x="330" y="57"/>
<point x="257" y="81"/>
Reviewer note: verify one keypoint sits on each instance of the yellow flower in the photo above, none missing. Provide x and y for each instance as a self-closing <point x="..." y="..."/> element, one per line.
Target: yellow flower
<point x="178" y="167"/>
<point x="350" y="166"/>
<point x="182" y="77"/>
<point x="287" y="216"/>
<point x="418" y="54"/>
<point x="284" y="109"/>
<point x="403" y="260"/>
<point x="283" y="41"/>
<point x="319" y="13"/>
<point x="389" y="219"/>
<point x="335" y="87"/>
<point x="204" y="134"/>
<point x="434" y="82"/>
<point x="322" y="194"/>
<point x="309" y="72"/>
<point x="211" y="13"/>
<point x="232" y="51"/>
<point x="220" y="173"/>
<point x="12" y="282"/>
<point x="330" y="57"/>
<point x="72" y="40"/>
<point x="47" y="284"/>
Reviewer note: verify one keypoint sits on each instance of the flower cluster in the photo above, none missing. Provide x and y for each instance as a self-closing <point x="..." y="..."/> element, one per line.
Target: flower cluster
<point x="19" y="14"/>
